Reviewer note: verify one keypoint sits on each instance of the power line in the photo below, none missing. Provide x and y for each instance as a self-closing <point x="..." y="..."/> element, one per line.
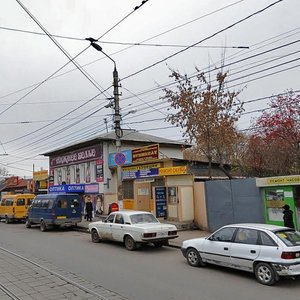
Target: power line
<point x="148" y="39"/>
<point x="201" y="41"/>
<point x="125" y="43"/>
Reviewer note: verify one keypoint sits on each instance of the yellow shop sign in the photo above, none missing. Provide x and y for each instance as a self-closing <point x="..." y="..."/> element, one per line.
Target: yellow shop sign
<point x="173" y="171"/>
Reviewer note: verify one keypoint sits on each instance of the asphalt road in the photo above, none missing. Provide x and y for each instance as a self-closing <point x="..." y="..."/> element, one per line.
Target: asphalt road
<point x="144" y="274"/>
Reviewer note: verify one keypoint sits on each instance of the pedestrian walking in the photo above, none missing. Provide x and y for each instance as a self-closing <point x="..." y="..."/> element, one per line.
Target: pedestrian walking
<point x="288" y="216"/>
<point x="89" y="209"/>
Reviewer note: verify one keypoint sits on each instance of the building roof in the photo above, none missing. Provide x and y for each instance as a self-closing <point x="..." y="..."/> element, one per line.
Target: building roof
<point x="129" y="135"/>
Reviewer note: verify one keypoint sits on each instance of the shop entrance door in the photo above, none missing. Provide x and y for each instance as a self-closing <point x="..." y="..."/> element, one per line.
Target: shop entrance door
<point x="142" y="195"/>
<point x="172" y="203"/>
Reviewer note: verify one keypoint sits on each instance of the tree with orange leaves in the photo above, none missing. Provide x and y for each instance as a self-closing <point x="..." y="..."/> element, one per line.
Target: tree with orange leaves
<point x="208" y="114"/>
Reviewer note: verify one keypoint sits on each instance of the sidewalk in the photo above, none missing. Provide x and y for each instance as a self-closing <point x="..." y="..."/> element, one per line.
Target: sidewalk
<point x="176" y="243"/>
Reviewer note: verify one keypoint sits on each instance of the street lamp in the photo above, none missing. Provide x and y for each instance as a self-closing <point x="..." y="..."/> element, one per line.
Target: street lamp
<point x="117" y="116"/>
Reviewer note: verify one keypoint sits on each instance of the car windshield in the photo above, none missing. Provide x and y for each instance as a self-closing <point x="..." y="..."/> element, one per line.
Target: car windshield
<point x="143" y="218"/>
<point x="289" y="237"/>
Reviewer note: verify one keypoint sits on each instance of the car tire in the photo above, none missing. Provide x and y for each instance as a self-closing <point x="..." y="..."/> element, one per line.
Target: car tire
<point x="28" y="224"/>
<point x="265" y="274"/>
<point x="95" y="236"/>
<point x="130" y="243"/>
<point x="194" y="258"/>
<point x="43" y="226"/>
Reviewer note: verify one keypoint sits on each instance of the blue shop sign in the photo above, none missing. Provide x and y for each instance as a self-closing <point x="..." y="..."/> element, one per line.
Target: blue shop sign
<point x="161" y="202"/>
<point x="66" y="188"/>
<point x="153" y="172"/>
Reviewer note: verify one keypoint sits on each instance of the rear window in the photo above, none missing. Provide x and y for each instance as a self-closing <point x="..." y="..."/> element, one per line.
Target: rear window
<point x="289" y="237"/>
<point x="62" y="203"/>
<point x="143" y="218"/>
<point x="9" y="202"/>
<point x="20" y="202"/>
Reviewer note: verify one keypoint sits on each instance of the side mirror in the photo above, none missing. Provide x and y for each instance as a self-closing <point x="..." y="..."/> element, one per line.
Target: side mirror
<point x="211" y="238"/>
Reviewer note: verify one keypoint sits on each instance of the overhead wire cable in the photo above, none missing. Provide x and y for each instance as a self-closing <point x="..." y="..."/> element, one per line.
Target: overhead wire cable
<point x="148" y="39"/>
<point x="201" y="41"/>
<point x="137" y="7"/>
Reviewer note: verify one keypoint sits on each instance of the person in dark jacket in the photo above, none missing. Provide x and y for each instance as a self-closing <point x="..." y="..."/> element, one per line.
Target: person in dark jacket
<point x="288" y="216"/>
<point x="89" y="209"/>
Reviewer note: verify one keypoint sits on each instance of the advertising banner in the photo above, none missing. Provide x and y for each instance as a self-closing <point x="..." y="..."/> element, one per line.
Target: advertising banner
<point x="77" y="156"/>
<point x="145" y="154"/>
<point x="67" y="188"/>
<point x="142" y="171"/>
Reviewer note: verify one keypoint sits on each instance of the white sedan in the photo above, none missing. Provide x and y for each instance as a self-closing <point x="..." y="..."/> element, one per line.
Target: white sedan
<point x="268" y="251"/>
<point x="133" y="228"/>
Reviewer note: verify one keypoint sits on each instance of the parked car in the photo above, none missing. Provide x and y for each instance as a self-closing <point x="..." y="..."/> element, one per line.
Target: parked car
<point x="268" y="251"/>
<point x="133" y="228"/>
<point x="15" y="207"/>
<point x="50" y="210"/>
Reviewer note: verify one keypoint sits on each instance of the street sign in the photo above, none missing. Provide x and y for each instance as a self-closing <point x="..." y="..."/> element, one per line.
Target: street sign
<point x="120" y="158"/>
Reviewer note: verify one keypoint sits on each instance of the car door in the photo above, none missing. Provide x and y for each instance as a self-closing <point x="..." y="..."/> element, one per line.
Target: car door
<point x="105" y="228"/>
<point x="245" y="249"/>
<point x="118" y="228"/>
<point x="217" y="248"/>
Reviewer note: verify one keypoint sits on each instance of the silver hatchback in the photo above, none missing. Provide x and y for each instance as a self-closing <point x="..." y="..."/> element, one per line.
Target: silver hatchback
<point x="268" y="251"/>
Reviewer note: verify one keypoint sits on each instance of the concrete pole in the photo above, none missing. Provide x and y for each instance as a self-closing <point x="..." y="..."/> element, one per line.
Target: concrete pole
<point x="118" y="132"/>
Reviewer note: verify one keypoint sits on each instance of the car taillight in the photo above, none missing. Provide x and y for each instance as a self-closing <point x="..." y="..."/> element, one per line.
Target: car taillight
<point x="290" y="255"/>
<point x="149" y="234"/>
<point x="13" y="210"/>
<point x="174" y="232"/>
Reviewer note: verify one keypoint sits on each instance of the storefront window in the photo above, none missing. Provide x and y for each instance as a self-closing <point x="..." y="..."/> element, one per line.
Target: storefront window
<point x="274" y="204"/>
<point x="82" y="173"/>
<point x="172" y="195"/>
<point x="127" y="189"/>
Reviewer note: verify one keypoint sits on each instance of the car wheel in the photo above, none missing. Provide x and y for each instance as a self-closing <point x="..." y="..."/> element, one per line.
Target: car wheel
<point x="193" y="258"/>
<point x="7" y="220"/>
<point x="28" y="224"/>
<point x="95" y="236"/>
<point x="265" y="274"/>
<point x="130" y="244"/>
<point x="43" y="226"/>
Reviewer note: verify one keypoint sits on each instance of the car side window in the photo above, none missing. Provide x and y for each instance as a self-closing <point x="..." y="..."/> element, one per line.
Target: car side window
<point x="20" y="202"/>
<point x="29" y="201"/>
<point x="110" y="219"/>
<point x="224" y="235"/>
<point x="119" y="219"/>
<point x="266" y="240"/>
<point x="246" y="236"/>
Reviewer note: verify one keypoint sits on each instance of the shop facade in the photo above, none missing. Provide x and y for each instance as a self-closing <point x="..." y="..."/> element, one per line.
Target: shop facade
<point x="79" y="171"/>
<point x="91" y="168"/>
<point x="278" y="191"/>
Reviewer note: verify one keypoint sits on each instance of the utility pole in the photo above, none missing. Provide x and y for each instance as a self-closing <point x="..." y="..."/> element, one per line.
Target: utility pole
<point x="118" y="132"/>
<point x="117" y="119"/>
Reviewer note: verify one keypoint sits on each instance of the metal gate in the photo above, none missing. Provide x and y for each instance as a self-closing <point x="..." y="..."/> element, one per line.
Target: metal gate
<point x="233" y="201"/>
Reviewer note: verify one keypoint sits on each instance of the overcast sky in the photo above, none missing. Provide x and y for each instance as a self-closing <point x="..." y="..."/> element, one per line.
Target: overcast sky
<point x="46" y="102"/>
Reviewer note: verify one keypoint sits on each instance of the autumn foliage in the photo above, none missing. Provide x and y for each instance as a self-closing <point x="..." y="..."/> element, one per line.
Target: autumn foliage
<point x="207" y="112"/>
<point x="273" y="147"/>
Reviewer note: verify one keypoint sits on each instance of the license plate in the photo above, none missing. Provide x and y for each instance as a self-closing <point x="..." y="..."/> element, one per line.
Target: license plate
<point x="162" y="233"/>
<point x="61" y="217"/>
